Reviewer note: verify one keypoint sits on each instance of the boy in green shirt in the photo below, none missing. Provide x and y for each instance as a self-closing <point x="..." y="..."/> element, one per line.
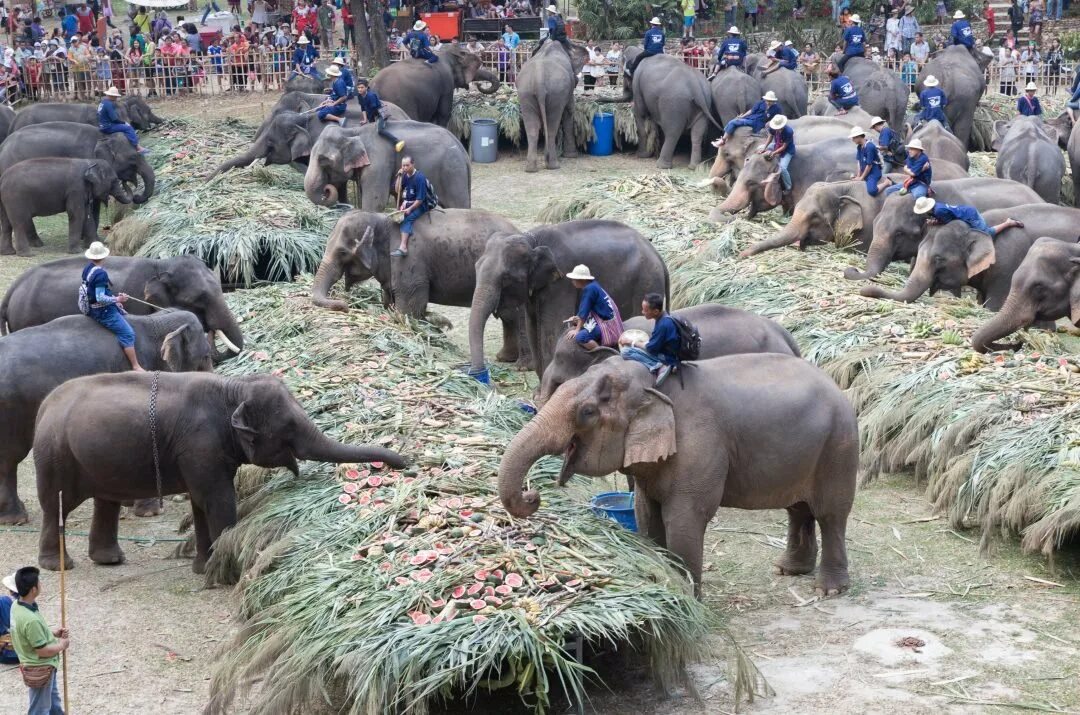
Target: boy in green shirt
<point x="35" y="643"/>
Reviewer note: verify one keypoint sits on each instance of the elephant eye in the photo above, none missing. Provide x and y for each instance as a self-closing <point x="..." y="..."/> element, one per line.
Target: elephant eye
<point x="586" y="413"/>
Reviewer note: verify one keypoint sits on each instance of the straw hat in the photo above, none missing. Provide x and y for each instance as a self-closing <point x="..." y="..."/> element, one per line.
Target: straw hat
<point x="915" y="144"/>
<point x="958" y="15"/>
<point x="97" y="251"/>
<point x="774" y="44"/>
<point x="419" y="25"/>
<point x="1031" y="87"/>
<point x="112" y="92"/>
<point x="924" y="205"/>
<point x="655" y="21"/>
<point x="733" y="30"/>
<point x="333" y="71"/>
<point x="340" y="61"/>
<point x="770" y="96"/>
<point x="931" y="81"/>
<point x="876" y="121"/>
<point x="580" y="273"/>
<point x="9" y="583"/>
<point x="303" y="40"/>
<point x="856" y="132"/>
<point x="856" y="19"/>
<point x="778" y="122"/>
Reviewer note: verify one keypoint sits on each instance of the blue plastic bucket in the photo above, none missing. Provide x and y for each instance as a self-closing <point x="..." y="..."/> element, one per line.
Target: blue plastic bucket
<point x="482" y="376"/>
<point x="603" y="125"/>
<point x="617" y="506"/>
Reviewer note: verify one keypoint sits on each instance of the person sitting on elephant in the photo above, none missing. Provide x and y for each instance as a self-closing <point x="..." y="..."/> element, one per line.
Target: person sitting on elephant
<point x="961" y="33"/>
<point x="1028" y="104"/>
<point x="597" y="321"/>
<point x="854" y="42"/>
<point x="932" y="103"/>
<point x="375" y="111"/>
<point x="109" y="119"/>
<point x="733" y="50"/>
<point x="918" y="170"/>
<point x="842" y="94"/>
<point x="102" y="305"/>
<point x="652" y="44"/>
<point x="870" y="168"/>
<point x="784" y="56"/>
<point x="756" y="117"/>
<point x="304" y="58"/>
<point x="556" y="30"/>
<point x="418" y="42"/>
<point x="939" y="213"/>
<point x="661" y="353"/>
<point x="781" y="144"/>
<point x="333" y="108"/>
<point x="414" y="202"/>
<point x="890" y="147"/>
<point x="1073" y="104"/>
<point x="346" y="73"/>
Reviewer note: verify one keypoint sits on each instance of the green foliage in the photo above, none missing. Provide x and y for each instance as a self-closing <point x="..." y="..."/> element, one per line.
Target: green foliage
<point x="625" y="19"/>
<point x="1070" y="43"/>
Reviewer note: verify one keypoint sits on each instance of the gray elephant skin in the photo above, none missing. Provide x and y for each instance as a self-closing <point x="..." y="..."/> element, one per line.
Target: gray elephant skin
<point x="954" y="255"/>
<point x="305" y="102"/>
<point x="1028" y="153"/>
<point x="306" y="84"/>
<point x="77" y="346"/>
<point x="733" y="93"/>
<point x="1044" y="288"/>
<point x="45" y="187"/>
<point x="939" y="143"/>
<point x="545" y="85"/>
<point x="881" y="91"/>
<point x="742" y="431"/>
<point x="7" y="119"/>
<point x="426" y="91"/>
<point x="49" y="291"/>
<point x="1073" y="150"/>
<point x="79" y="141"/>
<point x="360" y="154"/>
<point x="527" y="271"/>
<point x="724" y="331"/>
<point x="789" y="86"/>
<point x="133" y="110"/>
<point x="898" y="230"/>
<point x="962" y="79"/>
<point x="207" y="427"/>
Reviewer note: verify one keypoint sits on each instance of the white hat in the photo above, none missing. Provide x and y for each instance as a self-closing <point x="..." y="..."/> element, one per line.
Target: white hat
<point x="958" y="15"/>
<point x="655" y="21"/>
<point x="931" y="81"/>
<point x="112" y="92"/>
<point x="303" y="40"/>
<point x="774" y="44"/>
<point x="419" y="25"/>
<point x="770" y="96"/>
<point x="915" y="144"/>
<point x="9" y="583"/>
<point x="876" y="121"/>
<point x="787" y="43"/>
<point x="340" y="61"/>
<point x="924" y="205"/>
<point x="97" y="251"/>
<point x="856" y="132"/>
<point x="733" y="30"/>
<point x="552" y="8"/>
<point x="778" y="122"/>
<point x="333" y="71"/>
<point x="580" y="273"/>
<point x="856" y="19"/>
<point x="1031" y="87"/>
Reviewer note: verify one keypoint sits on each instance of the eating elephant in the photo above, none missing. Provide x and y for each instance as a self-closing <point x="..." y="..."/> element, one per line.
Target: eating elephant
<point x="939" y="143"/>
<point x="1028" y="153"/>
<point x="79" y="141"/>
<point x="306" y="83"/>
<point x="45" y="187"/>
<point x="788" y="85"/>
<point x="75" y="346"/>
<point x="426" y="91"/>
<point x="241" y="420"/>
<point x="742" y="431"/>
<point x="545" y="85"/>
<point x="732" y="94"/>
<point x="1061" y="125"/>
<point x="897" y="229"/>
<point x="361" y="155"/>
<point x="1044" y="288"/>
<point x="724" y="331"/>
<point x="526" y="271"/>
<point x="955" y="255"/>
<point x="882" y="92"/>
<point x="963" y="80"/>
<point x="132" y="109"/>
<point x="48" y="291"/>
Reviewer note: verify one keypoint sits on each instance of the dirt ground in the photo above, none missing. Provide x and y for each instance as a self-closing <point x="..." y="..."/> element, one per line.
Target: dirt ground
<point x="929" y="625"/>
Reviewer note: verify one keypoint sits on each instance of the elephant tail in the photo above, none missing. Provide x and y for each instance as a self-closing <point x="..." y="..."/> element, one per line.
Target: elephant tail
<point x="4" y="311"/>
<point x="703" y="100"/>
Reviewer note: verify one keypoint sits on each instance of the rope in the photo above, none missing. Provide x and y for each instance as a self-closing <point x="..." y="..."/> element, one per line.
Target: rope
<point x="153" y="436"/>
<point x="136" y="539"/>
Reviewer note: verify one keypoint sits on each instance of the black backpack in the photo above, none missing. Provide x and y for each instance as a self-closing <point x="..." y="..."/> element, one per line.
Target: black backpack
<point x="689" y="339"/>
<point x="432" y="200"/>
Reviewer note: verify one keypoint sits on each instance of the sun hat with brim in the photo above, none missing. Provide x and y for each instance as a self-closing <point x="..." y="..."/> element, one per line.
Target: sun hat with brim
<point x="97" y="251"/>
<point x="876" y="121"/>
<point x="924" y="205"/>
<point x="655" y="21"/>
<point x="552" y="8"/>
<point x="915" y="144"/>
<point x="340" y="61"/>
<point x="856" y="19"/>
<point x="419" y="25"/>
<point x="9" y="583"/>
<point x="770" y="96"/>
<point x="333" y="71"/>
<point x="958" y="15"/>
<point x="303" y="40"/>
<point x="580" y="273"/>
<point x="733" y="30"/>
<point x="856" y="132"/>
<point x="112" y="92"/>
<point x="774" y="44"/>
<point x="1031" y="87"/>
<point x="931" y="81"/>
<point x="778" y="122"/>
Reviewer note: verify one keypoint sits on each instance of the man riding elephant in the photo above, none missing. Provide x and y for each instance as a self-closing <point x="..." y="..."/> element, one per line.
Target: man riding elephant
<point x="854" y="42"/>
<point x="870" y="169"/>
<point x="756" y="117"/>
<point x="652" y="44"/>
<point x="733" y="50"/>
<point x="961" y="32"/>
<point x="889" y="144"/>
<point x="842" y="94"/>
<point x="418" y="42"/>
<point x="918" y="170"/>
<point x="932" y="103"/>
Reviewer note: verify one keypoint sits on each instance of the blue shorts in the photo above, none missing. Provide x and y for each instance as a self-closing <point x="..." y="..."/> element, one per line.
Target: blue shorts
<point x="338" y="110"/>
<point x="410" y="219"/>
<point x="583" y="336"/>
<point x="872" y="180"/>
<point x="981" y="225"/>
<point x="113" y="320"/>
<point x="638" y="355"/>
<point x="688" y="21"/>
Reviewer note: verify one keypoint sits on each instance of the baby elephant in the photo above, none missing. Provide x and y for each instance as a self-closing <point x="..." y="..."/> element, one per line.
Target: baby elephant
<point x="44" y="187"/>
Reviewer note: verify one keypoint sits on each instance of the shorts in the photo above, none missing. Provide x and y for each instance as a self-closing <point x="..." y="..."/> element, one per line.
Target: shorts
<point x="982" y="226"/>
<point x="112" y="319"/>
<point x="338" y="110"/>
<point x="688" y="21"/>
<point x="410" y="219"/>
<point x="872" y="180"/>
<point x="583" y="336"/>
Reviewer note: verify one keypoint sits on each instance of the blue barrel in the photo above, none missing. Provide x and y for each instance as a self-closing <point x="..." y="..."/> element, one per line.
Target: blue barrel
<point x="617" y="506"/>
<point x="603" y="125"/>
<point x="484" y="141"/>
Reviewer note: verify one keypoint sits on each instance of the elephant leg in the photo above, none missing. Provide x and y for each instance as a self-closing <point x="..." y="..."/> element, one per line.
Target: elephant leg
<point x="833" y="574"/>
<point x="697" y="136"/>
<point x="531" y="116"/>
<point x="650" y="521"/>
<point x="76" y="228"/>
<point x="7" y="247"/>
<point x="509" y="350"/>
<point x="516" y="338"/>
<point x="202" y="537"/>
<point x="641" y="122"/>
<point x="569" y="139"/>
<point x="220" y="506"/>
<point x="148" y="507"/>
<point x="801" y="554"/>
<point x="12" y="510"/>
<point x="672" y="131"/>
<point x="684" y="527"/>
<point x="552" y="118"/>
<point x="104" y="548"/>
<point x="49" y="539"/>
<point x="32" y="234"/>
<point x="22" y="232"/>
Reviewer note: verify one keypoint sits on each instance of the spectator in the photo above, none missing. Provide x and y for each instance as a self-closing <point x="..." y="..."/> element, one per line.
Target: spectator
<point x="69" y="25"/>
<point x="692" y="53"/>
<point x="347" y="24"/>
<point x="909" y="29"/>
<point x="920" y="51"/>
<point x="84" y="18"/>
<point x="594" y="66"/>
<point x="940" y="12"/>
<point x="750" y="12"/>
<point x="909" y="71"/>
<point x="729" y="12"/>
<point x="614" y="61"/>
<point x="237" y="54"/>
<point x="689" y="11"/>
<point x="8" y="595"/>
<point x="1035" y="21"/>
<point x="259" y="14"/>
<point x="1016" y="17"/>
<point x="80" y="59"/>
<point x="1031" y="61"/>
<point x="474" y="47"/>
<point x="893" y="42"/>
<point x="325" y="18"/>
<point x="809" y="62"/>
<point x="991" y="21"/>
<point x="1053" y="10"/>
<point x="1007" y="60"/>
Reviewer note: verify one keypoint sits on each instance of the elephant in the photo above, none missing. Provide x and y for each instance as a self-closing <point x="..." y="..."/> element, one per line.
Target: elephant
<point x="240" y="420"/>
<point x="49" y="290"/>
<point x="742" y="431"/>
<point x="74" y="346"/>
<point x="132" y="109"/>
<point x="938" y="143"/>
<point x="897" y="230"/>
<point x="545" y="85"/>
<point x="733" y="93"/>
<point x="1061" y="125"/>
<point x="305" y="102"/>
<point x="724" y="331"/>
<point x="526" y="270"/>
<point x="360" y="154"/>
<point x="856" y="116"/>
<point x="954" y="255"/>
<point x="426" y="91"/>
<point x="881" y="91"/>
<point x="7" y="119"/>
<point x="963" y="81"/>
<point x="1073" y="150"/>
<point x="72" y="140"/>
<point x="305" y="83"/>
<point x="1044" y="288"/>
<point x="788" y="85"/>
<point x="45" y="187"/>
<point x="1028" y="153"/>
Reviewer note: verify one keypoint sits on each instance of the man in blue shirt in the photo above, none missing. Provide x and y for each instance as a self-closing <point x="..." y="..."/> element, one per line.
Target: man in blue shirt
<point x="733" y="49"/>
<point x="418" y="43"/>
<point x="304" y="58"/>
<point x="374" y="111"/>
<point x="756" y="117"/>
<point x="414" y="196"/>
<point x="69" y="25"/>
<point x="866" y="153"/>
<point x="556" y="30"/>
<point x="842" y="94"/>
<point x="333" y="108"/>
<point x="105" y="307"/>
<point x="938" y="213"/>
<point x="661" y="353"/>
<point x="854" y="42"/>
<point x="932" y="103"/>
<point x="594" y="307"/>
<point x="1028" y="104"/>
<point x="346" y="73"/>
<point x="890" y="147"/>
<point x="781" y="144"/>
<point x="7" y="600"/>
<point x="109" y="119"/>
<point x="652" y="44"/>
<point x="918" y="171"/>
<point x="961" y="33"/>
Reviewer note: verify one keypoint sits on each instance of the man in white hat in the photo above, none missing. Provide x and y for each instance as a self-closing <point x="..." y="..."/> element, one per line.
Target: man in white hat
<point x="756" y="117"/>
<point x="304" y="57"/>
<point x="109" y="119"/>
<point x="870" y="168"/>
<point x="938" y="213"/>
<point x="781" y="55"/>
<point x="556" y="29"/>
<point x="8" y="597"/>
<point x="854" y="42"/>
<point x="1028" y="104"/>
<point x="932" y="103"/>
<point x="346" y="73"/>
<point x="733" y="49"/>
<point x="595" y="308"/>
<point x="97" y="300"/>
<point x="890" y="146"/>
<point x="652" y="43"/>
<point x="333" y="107"/>
<point x="918" y="171"/>
<point x="418" y="43"/>
<point x="781" y="145"/>
<point x="961" y="32"/>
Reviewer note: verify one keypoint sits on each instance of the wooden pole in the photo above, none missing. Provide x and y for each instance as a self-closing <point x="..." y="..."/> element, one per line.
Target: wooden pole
<point x="63" y="596"/>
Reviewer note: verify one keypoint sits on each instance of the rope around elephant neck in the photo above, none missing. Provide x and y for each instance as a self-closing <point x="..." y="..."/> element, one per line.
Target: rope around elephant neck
<point x="153" y="437"/>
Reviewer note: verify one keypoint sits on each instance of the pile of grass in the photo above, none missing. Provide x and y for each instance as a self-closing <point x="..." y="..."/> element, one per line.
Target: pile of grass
<point x="383" y="591"/>
<point x="996" y="438"/>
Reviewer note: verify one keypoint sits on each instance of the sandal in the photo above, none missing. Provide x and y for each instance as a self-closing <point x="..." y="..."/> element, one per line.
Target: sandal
<point x="398" y="253"/>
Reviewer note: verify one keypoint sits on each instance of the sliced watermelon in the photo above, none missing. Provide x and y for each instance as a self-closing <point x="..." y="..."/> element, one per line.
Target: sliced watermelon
<point x="504" y="590"/>
<point x="352" y="474"/>
<point x="480" y="575"/>
<point x="349" y="488"/>
<point x="475" y="589"/>
<point x="377" y="465"/>
<point x="478" y="619"/>
<point x="344" y="498"/>
<point x="402" y="581"/>
<point x="458" y="592"/>
<point x="514" y="580"/>
<point x="374" y="481"/>
<point x="420" y="619"/>
<point x="476" y="604"/>
<point x="423" y="575"/>
<point x="438" y="603"/>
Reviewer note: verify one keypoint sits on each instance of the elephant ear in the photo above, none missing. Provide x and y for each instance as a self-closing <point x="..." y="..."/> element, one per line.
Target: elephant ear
<point x="174" y="347"/>
<point x="95" y="180"/>
<point x="1074" y="294"/>
<point x="650" y="436"/>
<point x="849" y="216"/>
<point x="1001" y="127"/>
<point x="981" y="254"/>
<point x="159" y="289"/>
<point x="300" y="145"/>
<point x="354" y="155"/>
<point x="542" y="268"/>
<point x="244" y="429"/>
<point x="773" y="195"/>
<point x="365" y="250"/>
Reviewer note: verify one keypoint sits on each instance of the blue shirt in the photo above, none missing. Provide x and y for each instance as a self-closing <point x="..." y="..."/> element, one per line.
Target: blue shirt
<point x="961" y="34"/>
<point x="933" y="103"/>
<point x="653" y="40"/>
<point x="339" y="89"/>
<point x="215" y="55"/>
<point x="854" y="41"/>
<point x="416" y="42"/>
<point x="350" y="81"/>
<point x="920" y="167"/>
<point x="98" y="290"/>
<point x="414" y="188"/>
<point x="886" y="138"/>
<point x="843" y="91"/>
<point x="664" y="342"/>
<point x="761" y="113"/>
<point x="511" y="40"/>
<point x="1029" y="107"/>
<point x="734" y="46"/>
<point x="370" y="103"/>
<point x="305" y="56"/>
<point x="69" y="24"/>
<point x="107" y="114"/>
<point x="788" y="57"/>
<point x="967" y="214"/>
<point x="867" y="155"/>
<point x="7" y="655"/>
<point x="594" y="300"/>
<point x="556" y="27"/>
<point x="783" y="139"/>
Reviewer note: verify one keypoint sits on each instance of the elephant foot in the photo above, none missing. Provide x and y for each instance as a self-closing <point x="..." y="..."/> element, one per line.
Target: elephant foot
<point x="439" y="321"/>
<point x="7" y="251"/>
<point x="148" y="507"/>
<point x="644" y="154"/>
<point x="551" y="165"/>
<point x="107" y="555"/>
<point x="661" y="164"/>
<point x="507" y="355"/>
<point x="198" y="566"/>
<point x="525" y="364"/>
<point x="36" y="241"/>
<point x="571" y="153"/>
<point x="14" y="515"/>
<point x="794" y="565"/>
<point x="51" y="562"/>
<point x="831" y="584"/>
<point x="531" y="168"/>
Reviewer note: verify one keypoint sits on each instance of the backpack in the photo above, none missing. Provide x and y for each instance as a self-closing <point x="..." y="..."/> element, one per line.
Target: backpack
<point x="432" y="200"/>
<point x="689" y="339"/>
<point x="84" y="292"/>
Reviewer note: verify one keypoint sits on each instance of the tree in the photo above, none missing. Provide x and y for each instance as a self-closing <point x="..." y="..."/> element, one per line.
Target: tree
<point x="370" y="33"/>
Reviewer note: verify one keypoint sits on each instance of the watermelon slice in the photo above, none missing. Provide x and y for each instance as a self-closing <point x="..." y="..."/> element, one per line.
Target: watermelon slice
<point x="420" y="619"/>
<point x="402" y="581"/>
<point x="475" y="589"/>
<point x="478" y="619"/>
<point x="504" y="590"/>
<point x="514" y="580"/>
<point x="344" y="498"/>
<point x="377" y="465"/>
<point x="423" y="575"/>
<point x="350" y="488"/>
<point x="352" y="474"/>
<point x="458" y="592"/>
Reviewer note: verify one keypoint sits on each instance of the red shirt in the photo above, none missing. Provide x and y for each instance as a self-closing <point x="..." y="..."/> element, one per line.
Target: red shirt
<point x="86" y="22"/>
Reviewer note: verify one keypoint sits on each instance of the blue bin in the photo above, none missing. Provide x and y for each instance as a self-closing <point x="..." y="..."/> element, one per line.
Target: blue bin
<point x="603" y="125"/>
<point x="617" y="506"/>
<point x="482" y="376"/>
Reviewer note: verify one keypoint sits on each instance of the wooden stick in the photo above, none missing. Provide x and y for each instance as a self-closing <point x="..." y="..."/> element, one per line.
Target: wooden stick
<point x="63" y="596"/>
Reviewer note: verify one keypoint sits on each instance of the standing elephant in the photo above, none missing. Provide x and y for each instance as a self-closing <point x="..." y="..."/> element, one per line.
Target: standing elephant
<point x="881" y="91"/>
<point x="48" y="291"/>
<point x="963" y="81"/>
<point x="76" y="346"/>
<point x="732" y="94"/>
<point x="426" y="91"/>
<point x="132" y="109"/>
<point x="955" y="255"/>
<point x="742" y="431"/>
<point x="1028" y="153"/>
<point x="360" y="154"/>
<point x="545" y="87"/>
<point x="305" y="102"/>
<point x="788" y="85"/>
<point x="897" y="230"/>
<point x="527" y="270"/>
<point x="239" y="420"/>
<point x="1044" y="288"/>
<point x="45" y="187"/>
<point x="939" y="143"/>
<point x="724" y="331"/>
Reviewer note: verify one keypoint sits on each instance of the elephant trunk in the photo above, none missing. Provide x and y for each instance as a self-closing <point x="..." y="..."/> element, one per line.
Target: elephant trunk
<point x="313" y="445"/>
<point x="489" y="79"/>
<point x="549" y="432"/>
<point x="792" y="233"/>
<point x="917" y="283"/>
<point x="627" y="96"/>
<point x="221" y="320"/>
<point x="1013" y="316"/>
<point x="737" y="200"/>
<point x="146" y="173"/>
<point x="485" y="301"/>
<point x="318" y="189"/>
<point x="257" y="151"/>
<point x="328" y="274"/>
<point x="881" y="252"/>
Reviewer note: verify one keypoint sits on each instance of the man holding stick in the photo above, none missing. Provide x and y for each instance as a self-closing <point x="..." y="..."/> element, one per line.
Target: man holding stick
<point x="37" y="646"/>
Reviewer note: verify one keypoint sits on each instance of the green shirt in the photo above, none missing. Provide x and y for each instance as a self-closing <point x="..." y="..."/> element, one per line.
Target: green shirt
<point x="30" y="632"/>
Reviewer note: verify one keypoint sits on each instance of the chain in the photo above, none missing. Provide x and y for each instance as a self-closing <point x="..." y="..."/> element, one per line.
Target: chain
<point x="153" y="436"/>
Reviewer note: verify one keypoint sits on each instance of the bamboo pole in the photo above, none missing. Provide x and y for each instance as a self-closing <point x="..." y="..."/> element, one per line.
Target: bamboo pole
<point x="63" y="599"/>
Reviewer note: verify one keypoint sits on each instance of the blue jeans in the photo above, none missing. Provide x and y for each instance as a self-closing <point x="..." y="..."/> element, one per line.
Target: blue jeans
<point x="844" y="103"/>
<point x="1074" y="101"/>
<point x="872" y="180"/>
<point x="121" y="128"/>
<point x="1053" y="9"/>
<point x="46" y="700"/>
<point x="736" y="123"/>
<point x="639" y="355"/>
<point x="583" y="336"/>
<point x="782" y="165"/>
<point x="410" y="219"/>
<point x="113" y="320"/>
<point x="917" y="191"/>
<point x="338" y="110"/>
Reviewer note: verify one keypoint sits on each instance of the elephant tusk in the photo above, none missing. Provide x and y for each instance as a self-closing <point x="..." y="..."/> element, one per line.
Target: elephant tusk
<point x="228" y="343"/>
<point x="707" y="182"/>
